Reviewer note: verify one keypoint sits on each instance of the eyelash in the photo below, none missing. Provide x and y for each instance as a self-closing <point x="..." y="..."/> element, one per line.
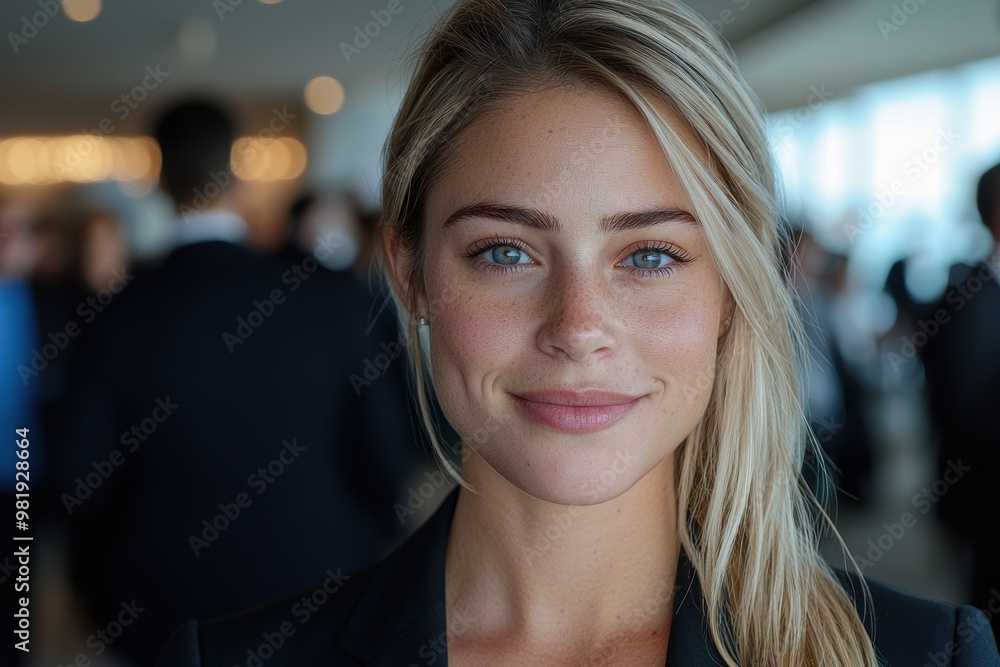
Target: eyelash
<point x="679" y="256"/>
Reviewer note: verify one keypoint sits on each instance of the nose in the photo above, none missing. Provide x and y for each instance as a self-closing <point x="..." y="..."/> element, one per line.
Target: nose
<point x="578" y="316"/>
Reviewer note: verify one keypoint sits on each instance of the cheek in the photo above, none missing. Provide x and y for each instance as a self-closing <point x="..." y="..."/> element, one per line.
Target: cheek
<point x="677" y="343"/>
<point x="474" y="336"/>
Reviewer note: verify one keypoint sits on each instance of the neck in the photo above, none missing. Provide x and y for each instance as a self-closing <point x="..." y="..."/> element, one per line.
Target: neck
<point x="549" y="574"/>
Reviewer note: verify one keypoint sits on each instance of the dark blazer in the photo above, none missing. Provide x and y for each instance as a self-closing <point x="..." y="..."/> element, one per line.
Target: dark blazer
<point x="393" y="615"/>
<point x="229" y="465"/>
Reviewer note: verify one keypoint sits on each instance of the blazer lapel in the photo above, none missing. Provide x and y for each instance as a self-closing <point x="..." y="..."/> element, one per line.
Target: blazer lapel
<point x="401" y="618"/>
<point x="690" y="643"/>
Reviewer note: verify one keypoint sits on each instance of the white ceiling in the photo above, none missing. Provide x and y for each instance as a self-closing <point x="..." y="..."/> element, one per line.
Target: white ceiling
<point x="842" y="45"/>
<point x="72" y="71"/>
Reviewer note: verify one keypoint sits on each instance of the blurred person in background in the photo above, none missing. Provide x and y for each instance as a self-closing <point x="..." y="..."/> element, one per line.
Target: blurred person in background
<point x="835" y="394"/>
<point x="365" y="265"/>
<point x="962" y="363"/>
<point x="226" y="451"/>
<point x="103" y="251"/>
<point x="326" y="226"/>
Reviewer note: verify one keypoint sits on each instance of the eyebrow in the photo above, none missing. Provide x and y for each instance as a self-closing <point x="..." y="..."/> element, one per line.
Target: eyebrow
<point x="535" y="219"/>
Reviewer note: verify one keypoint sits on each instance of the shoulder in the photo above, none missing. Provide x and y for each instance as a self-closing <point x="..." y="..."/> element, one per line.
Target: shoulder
<point x="294" y="630"/>
<point x="911" y="629"/>
<point x="384" y="614"/>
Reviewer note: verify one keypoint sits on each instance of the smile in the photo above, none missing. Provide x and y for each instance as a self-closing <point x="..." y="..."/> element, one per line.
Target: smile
<point x="577" y="413"/>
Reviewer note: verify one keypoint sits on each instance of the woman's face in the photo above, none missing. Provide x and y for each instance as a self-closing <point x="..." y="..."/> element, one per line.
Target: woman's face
<point x="561" y="258"/>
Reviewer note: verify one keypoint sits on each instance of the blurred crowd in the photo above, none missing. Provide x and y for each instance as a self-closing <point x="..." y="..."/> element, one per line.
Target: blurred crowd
<point x="211" y="426"/>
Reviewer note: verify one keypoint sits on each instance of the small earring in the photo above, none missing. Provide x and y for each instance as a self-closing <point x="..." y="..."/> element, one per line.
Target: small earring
<point x="423" y="321"/>
<point x="728" y="321"/>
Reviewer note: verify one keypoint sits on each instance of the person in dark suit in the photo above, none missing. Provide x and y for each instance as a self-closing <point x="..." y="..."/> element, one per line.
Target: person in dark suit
<point x="581" y="236"/>
<point x="962" y="363"/>
<point x="225" y="452"/>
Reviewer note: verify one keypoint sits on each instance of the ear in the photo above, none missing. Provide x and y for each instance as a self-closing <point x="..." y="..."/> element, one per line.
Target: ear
<point x="401" y="264"/>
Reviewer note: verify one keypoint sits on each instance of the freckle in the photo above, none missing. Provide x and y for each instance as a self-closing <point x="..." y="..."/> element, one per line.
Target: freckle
<point x="562" y="611"/>
<point x="618" y="615"/>
<point x="653" y="632"/>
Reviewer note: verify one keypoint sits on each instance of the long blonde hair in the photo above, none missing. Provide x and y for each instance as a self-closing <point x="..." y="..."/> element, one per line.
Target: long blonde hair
<point x="749" y="524"/>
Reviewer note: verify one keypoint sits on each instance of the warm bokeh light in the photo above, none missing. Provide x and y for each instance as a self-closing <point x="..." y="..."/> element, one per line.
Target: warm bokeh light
<point x="324" y="95"/>
<point x="257" y="159"/>
<point x="78" y="159"/>
<point x="268" y="2"/>
<point x="81" y="10"/>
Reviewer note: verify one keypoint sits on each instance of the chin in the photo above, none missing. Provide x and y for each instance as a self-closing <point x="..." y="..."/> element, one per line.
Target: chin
<point x="571" y="473"/>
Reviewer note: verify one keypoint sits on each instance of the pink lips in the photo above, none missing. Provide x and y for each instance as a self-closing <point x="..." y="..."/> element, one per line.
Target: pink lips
<point x="576" y="411"/>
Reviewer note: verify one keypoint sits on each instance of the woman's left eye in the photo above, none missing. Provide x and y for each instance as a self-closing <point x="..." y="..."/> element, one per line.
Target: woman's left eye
<point x="505" y="255"/>
<point x="654" y="261"/>
<point x="649" y="259"/>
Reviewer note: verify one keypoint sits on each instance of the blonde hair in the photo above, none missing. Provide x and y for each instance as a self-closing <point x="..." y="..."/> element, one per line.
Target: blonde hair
<point x="748" y="522"/>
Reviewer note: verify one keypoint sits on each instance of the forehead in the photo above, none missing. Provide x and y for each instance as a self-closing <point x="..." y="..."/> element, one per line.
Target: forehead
<point x="563" y="150"/>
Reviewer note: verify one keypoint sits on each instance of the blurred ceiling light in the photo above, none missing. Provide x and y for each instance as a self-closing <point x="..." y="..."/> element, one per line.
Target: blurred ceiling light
<point x="78" y="159"/>
<point x="81" y="10"/>
<point x="197" y="40"/>
<point x="324" y="95"/>
<point x="269" y="2"/>
<point x="256" y="159"/>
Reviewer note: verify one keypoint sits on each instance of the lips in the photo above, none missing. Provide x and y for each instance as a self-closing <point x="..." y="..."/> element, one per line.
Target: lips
<point x="584" y="411"/>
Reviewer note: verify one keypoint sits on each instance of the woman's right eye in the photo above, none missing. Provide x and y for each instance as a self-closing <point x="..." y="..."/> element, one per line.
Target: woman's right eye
<point x="499" y="255"/>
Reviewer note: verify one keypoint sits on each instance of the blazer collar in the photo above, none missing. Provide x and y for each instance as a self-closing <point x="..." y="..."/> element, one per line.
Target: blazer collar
<point x="401" y="617"/>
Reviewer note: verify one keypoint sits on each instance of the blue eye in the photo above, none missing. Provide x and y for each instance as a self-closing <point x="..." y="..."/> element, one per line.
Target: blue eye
<point x="499" y="255"/>
<point x="505" y="255"/>
<point x="649" y="259"/>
